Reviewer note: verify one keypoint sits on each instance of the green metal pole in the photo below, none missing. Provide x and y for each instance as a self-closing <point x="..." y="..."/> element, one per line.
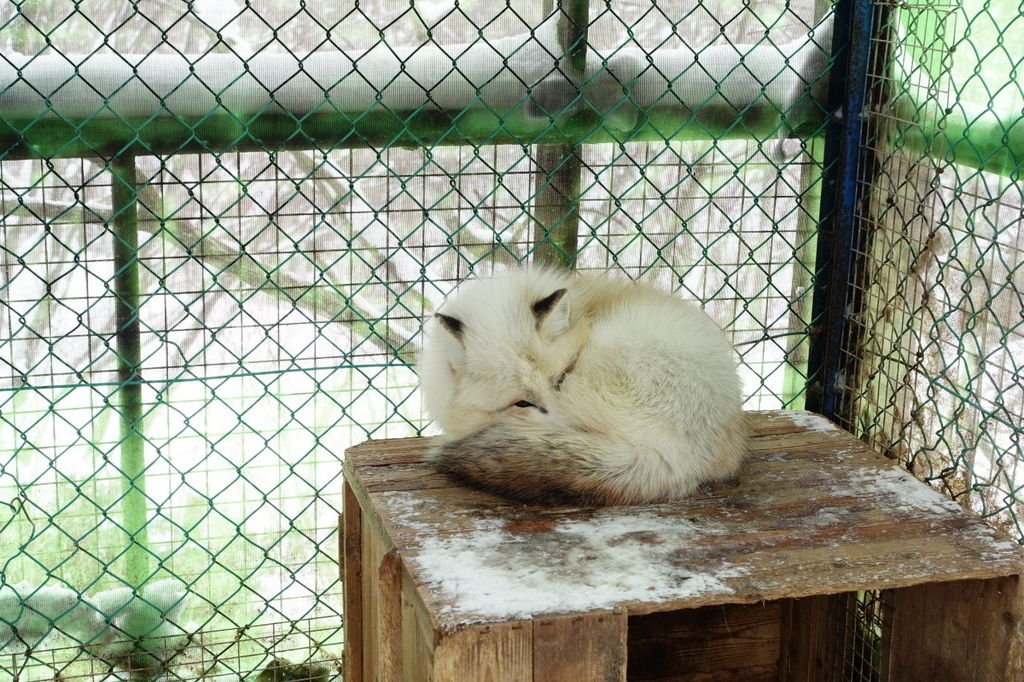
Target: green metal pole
<point x="962" y="135"/>
<point x="124" y="228"/>
<point x="965" y="133"/>
<point x="794" y="382"/>
<point x="794" y="378"/>
<point x="556" y="180"/>
<point x="556" y="204"/>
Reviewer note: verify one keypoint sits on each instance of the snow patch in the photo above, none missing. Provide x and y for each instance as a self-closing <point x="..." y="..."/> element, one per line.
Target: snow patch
<point x="811" y="421"/>
<point x="491" y="572"/>
<point x="900" y="488"/>
<point x="405" y="507"/>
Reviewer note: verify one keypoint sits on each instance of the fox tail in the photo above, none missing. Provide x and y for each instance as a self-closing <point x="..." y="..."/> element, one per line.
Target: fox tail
<point x="537" y="464"/>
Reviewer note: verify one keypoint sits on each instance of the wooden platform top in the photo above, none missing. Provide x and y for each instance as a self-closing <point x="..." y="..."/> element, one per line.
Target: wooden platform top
<point x="815" y="512"/>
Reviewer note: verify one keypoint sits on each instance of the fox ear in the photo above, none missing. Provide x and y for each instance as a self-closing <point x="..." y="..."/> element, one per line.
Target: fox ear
<point x="452" y="324"/>
<point x="552" y="313"/>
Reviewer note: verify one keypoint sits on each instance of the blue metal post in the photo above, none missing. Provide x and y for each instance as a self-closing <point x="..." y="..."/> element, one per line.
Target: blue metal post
<point x="837" y="235"/>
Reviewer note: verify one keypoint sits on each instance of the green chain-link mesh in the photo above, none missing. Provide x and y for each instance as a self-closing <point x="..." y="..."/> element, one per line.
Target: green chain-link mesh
<point x="935" y="342"/>
<point x="938" y="343"/>
<point x="223" y="223"/>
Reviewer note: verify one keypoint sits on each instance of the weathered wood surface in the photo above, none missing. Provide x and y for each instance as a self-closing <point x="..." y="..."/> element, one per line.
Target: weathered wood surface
<point x="812" y="635"/>
<point x="389" y="616"/>
<point x="417" y="635"/>
<point x="815" y="512"/>
<point x="352" y="582"/>
<point x="957" y="631"/>
<point x="709" y="644"/>
<point x="378" y="565"/>
<point x="580" y="647"/>
<point x="502" y="651"/>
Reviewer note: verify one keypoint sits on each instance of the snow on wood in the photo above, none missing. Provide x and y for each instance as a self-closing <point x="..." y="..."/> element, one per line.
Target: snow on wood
<point x="811" y="421"/>
<point x="574" y="565"/>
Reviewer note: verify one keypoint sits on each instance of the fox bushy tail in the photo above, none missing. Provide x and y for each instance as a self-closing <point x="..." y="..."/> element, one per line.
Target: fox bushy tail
<point x="536" y="464"/>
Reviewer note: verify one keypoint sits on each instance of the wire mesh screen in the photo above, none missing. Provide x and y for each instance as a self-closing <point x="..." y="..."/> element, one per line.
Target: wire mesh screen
<point x="934" y="355"/>
<point x="223" y="223"/>
<point x="864" y="636"/>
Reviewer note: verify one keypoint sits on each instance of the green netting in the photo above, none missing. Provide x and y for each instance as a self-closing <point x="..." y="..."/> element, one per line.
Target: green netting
<point x="223" y="223"/>
<point x="935" y="354"/>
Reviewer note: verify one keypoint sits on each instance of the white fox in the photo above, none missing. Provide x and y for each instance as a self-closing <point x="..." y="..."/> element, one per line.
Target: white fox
<point x="555" y="387"/>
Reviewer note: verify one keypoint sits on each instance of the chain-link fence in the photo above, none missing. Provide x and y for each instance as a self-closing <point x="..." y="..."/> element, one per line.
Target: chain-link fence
<point x="935" y="350"/>
<point x="931" y="356"/>
<point x="222" y="224"/>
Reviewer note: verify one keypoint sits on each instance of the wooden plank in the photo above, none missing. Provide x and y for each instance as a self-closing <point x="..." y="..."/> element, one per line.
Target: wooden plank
<point x="772" y="457"/>
<point x="389" y="452"/>
<point x="963" y="630"/>
<point x="815" y="513"/>
<point x="588" y="646"/>
<point x="417" y="636"/>
<point x="710" y="644"/>
<point x="395" y="451"/>
<point x="352" y="585"/>
<point x="771" y="422"/>
<point x="389" y="616"/>
<point x="375" y="546"/>
<point x="372" y="554"/>
<point x="814" y="507"/>
<point x="498" y="652"/>
<point x="812" y="634"/>
<point x="406" y="476"/>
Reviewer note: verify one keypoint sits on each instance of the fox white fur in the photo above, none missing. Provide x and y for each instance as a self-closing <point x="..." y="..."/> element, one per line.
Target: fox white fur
<point x="556" y="387"/>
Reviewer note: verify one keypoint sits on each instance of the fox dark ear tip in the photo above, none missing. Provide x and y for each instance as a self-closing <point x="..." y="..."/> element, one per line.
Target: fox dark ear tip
<point x="452" y="324"/>
<point x="544" y="305"/>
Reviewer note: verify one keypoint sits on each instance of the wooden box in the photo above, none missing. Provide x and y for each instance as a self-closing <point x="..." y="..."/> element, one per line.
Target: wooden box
<point x="749" y="581"/>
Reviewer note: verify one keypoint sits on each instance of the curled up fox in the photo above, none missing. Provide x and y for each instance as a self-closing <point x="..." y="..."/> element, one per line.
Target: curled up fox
<point x="557" y="387"/>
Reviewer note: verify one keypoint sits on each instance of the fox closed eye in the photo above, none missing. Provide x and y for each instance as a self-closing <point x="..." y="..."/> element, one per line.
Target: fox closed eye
<point x="526" y="404"/>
